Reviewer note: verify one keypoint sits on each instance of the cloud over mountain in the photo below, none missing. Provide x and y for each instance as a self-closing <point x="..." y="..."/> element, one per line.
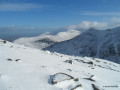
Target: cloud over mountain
<point x="88" y="24"/>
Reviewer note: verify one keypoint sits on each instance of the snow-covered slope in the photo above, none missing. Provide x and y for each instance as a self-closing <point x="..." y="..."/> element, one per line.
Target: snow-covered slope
<point x="103" y="44"/>
<point x="47" y="39"/>
<point x="24" y="68"/>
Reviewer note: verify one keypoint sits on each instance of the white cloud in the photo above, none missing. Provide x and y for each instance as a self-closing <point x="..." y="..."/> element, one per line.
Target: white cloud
<point x="116" y="19"/>
<point x="98" y="13"/>
<point x="87" y="25"/>
<point x="113" y="22"/>
<point x="108" y="23"/>
<point x="19" y="6"/>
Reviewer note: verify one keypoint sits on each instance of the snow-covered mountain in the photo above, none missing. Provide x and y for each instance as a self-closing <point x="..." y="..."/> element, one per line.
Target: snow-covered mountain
<point x="24" y="68"/>
<point x="45" y="40"/>
<point x="104" y="44"/>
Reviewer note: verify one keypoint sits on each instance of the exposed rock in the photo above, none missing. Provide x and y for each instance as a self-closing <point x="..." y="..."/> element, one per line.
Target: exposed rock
<point x="76" y="79"/>
<point x="68" y="61"/>
<point x="69" y="70"/>
<point x="59" y="77"/>
<point x="90" y="78"/>
<point x="4" y="41"/>
<point x="9" y="59"/>
<point x="91" y="63"/>
<point x="17" y="59"/>
<point x="78" y="86"/>
<point x="46" y="40"/>
<point x="95" y="87"/>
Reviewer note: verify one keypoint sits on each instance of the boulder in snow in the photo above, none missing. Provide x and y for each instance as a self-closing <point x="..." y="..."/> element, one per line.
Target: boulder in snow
<point x="9" y="59"/>
<point x="59" y="77"/>
<point x="96" y="87"/>
<point x="68" y="61"/>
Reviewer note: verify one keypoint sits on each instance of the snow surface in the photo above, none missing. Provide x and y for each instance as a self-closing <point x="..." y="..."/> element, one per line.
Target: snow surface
<point x="35" y="68"/>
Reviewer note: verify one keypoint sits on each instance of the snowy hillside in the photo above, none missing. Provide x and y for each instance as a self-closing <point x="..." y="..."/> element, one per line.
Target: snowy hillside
<point x="104" y="44"/>
<point x="47" y="39"/>
<point x="24" y="68"/>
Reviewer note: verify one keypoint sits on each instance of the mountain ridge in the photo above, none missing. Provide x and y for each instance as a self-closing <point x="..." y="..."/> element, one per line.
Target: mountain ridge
<point x="103" y="44"/>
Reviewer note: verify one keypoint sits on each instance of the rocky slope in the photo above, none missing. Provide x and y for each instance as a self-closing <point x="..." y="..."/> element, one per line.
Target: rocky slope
<point x="104" y="44"/>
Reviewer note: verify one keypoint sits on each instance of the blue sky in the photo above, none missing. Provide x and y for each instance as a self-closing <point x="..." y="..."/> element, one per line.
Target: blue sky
<point x="57" y="13"/>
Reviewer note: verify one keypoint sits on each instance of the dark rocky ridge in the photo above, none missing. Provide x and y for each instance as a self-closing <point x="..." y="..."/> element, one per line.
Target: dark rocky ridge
<point x="104" y="44"/>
